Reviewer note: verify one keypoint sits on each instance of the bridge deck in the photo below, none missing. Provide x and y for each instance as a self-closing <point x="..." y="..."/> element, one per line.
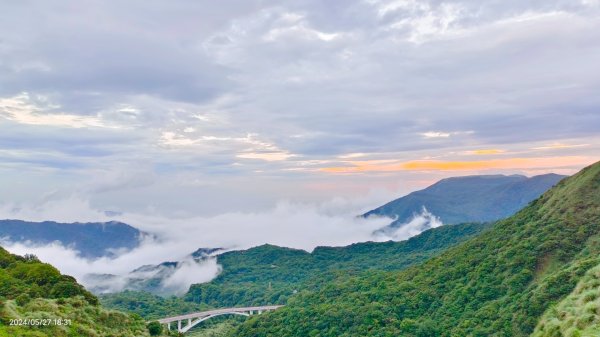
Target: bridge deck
<point x="215" y="312"/>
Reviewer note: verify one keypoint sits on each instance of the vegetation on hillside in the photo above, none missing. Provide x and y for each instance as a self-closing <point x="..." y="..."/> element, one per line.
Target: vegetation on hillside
<point x="28" y="277"/>
<point x="148" y="305"/>
<point x="221" y="328"/>
<point x="270" y="275"/>
<point x="66" y="317"/>
<point x="496" y="284"/>
<point x="36" y="300"/>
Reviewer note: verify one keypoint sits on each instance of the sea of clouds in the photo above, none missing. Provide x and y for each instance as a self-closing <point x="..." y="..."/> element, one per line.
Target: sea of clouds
<point x="295" y="225"/>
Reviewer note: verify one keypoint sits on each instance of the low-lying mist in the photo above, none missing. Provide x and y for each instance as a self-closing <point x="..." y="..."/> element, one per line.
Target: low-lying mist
<point x="302" y="226"/>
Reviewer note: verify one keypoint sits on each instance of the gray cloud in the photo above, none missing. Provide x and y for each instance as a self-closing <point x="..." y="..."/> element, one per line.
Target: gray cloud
<point x="216" y="102"/>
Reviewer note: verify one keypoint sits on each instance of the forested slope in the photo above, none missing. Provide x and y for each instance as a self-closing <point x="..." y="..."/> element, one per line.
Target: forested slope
<point x="269" y="274"/>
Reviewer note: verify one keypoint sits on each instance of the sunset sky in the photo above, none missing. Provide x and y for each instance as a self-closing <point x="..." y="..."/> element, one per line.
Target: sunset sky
<point x="200" y="107"/>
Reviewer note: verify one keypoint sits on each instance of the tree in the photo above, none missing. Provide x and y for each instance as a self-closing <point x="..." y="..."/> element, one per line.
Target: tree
<point x="154" y="328"/>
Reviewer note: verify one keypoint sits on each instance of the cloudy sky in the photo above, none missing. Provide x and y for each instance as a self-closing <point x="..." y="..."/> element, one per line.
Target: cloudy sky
<point x="198" y="108"/>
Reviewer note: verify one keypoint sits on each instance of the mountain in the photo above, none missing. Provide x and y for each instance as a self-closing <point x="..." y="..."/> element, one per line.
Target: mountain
<point x="499" y="283"/>
<point x="269" y="274"/>
<point x="32" y="291"/>
<point x="480" y="198"/>
<point x="91" y="240"/>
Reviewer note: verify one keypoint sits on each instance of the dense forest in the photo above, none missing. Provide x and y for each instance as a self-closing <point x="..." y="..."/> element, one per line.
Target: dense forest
<point x="497" y="284"/>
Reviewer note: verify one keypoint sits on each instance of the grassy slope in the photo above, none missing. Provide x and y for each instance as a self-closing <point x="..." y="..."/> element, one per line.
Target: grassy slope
<point x="30" y="289"/>
<point x="497" y="284"/>
<point x="86" y="319"/>
<point x="578" y="315"/>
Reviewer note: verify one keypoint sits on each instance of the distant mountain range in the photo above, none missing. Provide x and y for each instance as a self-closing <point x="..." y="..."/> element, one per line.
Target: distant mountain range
<point x="481" y="198"/>
<point x="91" y="240"/>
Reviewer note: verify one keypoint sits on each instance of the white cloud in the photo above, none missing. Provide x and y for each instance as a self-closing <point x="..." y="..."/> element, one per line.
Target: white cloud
<point x="426" y="23"/>
<point x="149" y="253"/>
<point x="190" y="272"/>
<point x="23" y="109"/>
<point x="417" y="224"/>
<point x="591" y="3"/>
<point x="435" y="134"/>
<point x="268" y="156"/>
<point x="440" y="134"/>
<point x="171" y="138"/>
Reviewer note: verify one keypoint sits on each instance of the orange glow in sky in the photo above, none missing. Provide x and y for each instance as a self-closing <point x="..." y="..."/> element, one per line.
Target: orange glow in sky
<point x="437" y="165"/>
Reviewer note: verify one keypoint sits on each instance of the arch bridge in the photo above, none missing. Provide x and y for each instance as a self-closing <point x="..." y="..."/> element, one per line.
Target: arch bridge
<point x="188" y="321"/>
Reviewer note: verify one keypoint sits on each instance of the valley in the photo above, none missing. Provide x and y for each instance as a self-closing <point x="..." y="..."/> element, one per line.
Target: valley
<point x="442" y="282"/>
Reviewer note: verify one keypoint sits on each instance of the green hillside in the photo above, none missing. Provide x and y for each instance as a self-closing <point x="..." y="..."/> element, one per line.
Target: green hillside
<point x="496" y="284"/>
<point x="269" y="274"/>
<point x="148" y="305"/>
<point x="34" y="292"/>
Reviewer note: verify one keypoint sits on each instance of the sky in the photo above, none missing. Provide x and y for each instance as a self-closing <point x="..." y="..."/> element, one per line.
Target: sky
<point x="242" y="122"/>
<point x="186" y="109"/>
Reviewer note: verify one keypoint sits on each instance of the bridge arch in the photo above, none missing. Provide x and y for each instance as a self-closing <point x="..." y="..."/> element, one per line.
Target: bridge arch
<point x="200" y="320"/>
<point x="194" y="319"/>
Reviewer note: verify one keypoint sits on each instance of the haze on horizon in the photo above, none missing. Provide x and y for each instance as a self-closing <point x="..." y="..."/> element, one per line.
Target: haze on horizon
<point x="192" y="108"/>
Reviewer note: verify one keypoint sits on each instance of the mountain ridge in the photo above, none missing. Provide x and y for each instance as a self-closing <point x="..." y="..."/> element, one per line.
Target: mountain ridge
<point x="89" y="239"/>
<point x="475" y="198"/>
